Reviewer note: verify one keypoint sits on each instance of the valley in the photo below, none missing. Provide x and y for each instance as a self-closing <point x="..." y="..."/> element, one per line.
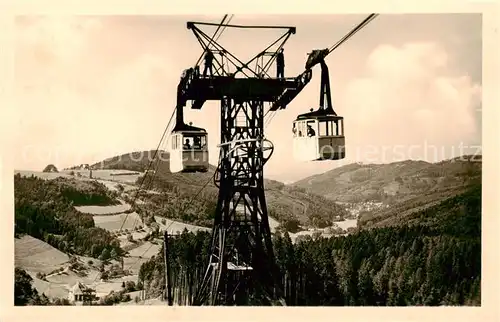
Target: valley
<point x="304" y="210"/>
<point x="122" y="223"/>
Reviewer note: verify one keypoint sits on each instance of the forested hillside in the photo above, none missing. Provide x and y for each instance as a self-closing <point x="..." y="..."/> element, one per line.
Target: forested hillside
<point x="436" y="260"/>
<point x="44" y="209"/>
<point x="394" y="182"/>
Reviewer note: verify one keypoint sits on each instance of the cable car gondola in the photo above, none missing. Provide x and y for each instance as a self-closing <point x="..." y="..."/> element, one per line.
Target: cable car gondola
<point x="188" y="149"/>
<point x="319" y="135"/>
<point x="188" y="144"/>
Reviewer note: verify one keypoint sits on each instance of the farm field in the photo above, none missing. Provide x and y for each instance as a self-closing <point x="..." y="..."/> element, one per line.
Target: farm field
<point x="42" y="175"/>
<point x="37" y="256"/>
<point x="120" y="176"/>
<point x="140" y="255"/>
<point x="146" y="250"/>
<point x="110" y="178"/>
<point x="104" y="210"/>
<point x="348" y="223"/>
<point x="114" y="222"/>
<point x="136" y="235"/>
<point x="175" y="227"/>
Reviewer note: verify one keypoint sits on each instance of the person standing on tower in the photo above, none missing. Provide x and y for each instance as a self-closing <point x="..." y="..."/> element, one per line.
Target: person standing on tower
<point x="209" y="57"/>
<point x="280" y="64"/>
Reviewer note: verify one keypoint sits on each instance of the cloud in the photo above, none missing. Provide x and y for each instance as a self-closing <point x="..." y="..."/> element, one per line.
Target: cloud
<point x="75" y="101"/>
<point x="51" y="49"/>
<point x="408" y="97"/>
<point x="63" y="36"/>
<point x="410" y="102"/>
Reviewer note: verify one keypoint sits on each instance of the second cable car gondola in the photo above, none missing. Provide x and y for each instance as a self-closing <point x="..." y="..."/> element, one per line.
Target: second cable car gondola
<point x="319" y="135"/>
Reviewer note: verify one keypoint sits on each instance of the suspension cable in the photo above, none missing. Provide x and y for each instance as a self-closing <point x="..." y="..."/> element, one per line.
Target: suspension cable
<point x="212" y="39"/>
<point x="356" y="29"/>
<point x="353" y="31"/>
<point x="162" y="138"/>
<point x="149" y="166"/>
<point x="224" y="28"/>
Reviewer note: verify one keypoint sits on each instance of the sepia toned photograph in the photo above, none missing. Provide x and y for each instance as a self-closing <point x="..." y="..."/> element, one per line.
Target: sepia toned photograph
<point x="248" y="160"/>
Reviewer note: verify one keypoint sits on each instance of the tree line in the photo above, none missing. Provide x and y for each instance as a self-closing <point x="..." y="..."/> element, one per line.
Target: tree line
<point x="45" y="210"/>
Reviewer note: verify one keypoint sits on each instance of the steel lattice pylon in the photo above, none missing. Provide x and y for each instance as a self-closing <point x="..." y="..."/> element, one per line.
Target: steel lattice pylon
<point x="242" y="259"/>
<point x="241" y="269"/>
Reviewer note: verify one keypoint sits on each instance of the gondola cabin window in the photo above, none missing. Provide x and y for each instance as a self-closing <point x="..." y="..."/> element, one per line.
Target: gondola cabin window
<point x="194" y="142"/>
<point x="175" y="142"/>
<point x="331" y="127"/>
<point x="303" y="129"/>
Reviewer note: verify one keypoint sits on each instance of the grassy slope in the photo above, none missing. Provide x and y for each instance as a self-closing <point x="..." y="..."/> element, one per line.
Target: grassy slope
<point x="37" y="256"/>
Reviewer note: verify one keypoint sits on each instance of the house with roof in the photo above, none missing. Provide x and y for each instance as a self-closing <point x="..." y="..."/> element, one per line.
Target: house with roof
<point x="81" y="293"/>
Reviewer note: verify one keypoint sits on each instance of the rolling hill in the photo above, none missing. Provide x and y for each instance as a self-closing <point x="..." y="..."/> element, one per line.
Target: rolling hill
<point x="285" y="204"/>
<point x="392" y="182"/>
<point x="403" y="187"/>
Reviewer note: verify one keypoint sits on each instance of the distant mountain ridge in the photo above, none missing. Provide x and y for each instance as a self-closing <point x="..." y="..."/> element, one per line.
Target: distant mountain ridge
<point x="394" y="181"/>
<point x="401" y="188"/>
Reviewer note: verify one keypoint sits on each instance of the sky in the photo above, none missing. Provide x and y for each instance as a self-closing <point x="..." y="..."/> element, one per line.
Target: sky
<point x="92" y="87"/>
